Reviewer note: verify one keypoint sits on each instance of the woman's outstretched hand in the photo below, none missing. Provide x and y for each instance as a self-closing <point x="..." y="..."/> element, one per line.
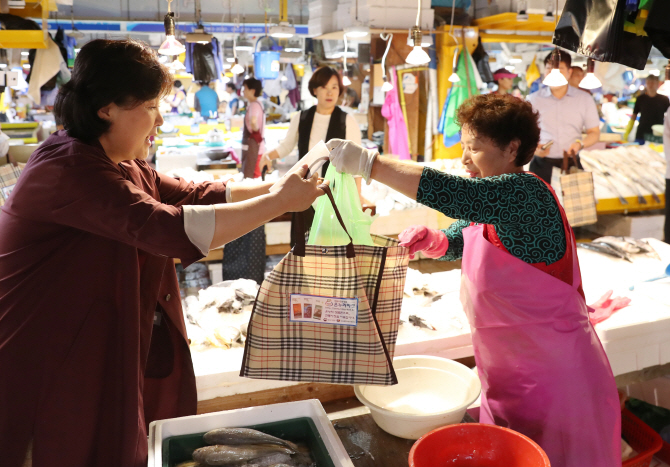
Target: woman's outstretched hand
<point x="433" y="243"/>
<point x="296" y="193"/>
<point x="350" y="158"/>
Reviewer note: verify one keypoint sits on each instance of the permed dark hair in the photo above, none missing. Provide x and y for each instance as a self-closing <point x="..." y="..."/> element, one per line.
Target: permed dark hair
<point x="255" y="84"/>
<point x="124" y="72"/>
<point x="502" y="119"/>
<point x="321" y="77"/>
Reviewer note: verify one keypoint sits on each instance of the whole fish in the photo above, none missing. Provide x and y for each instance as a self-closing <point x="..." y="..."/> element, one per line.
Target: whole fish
<point x="604" y="249"/>
<point x="242" y="436"/>
<point x="624" y="243"/>
<point x="420" y="322"/>
<point x="223" y="455"/>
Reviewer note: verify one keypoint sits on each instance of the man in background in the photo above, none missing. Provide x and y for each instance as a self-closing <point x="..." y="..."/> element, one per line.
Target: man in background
<point x="206" y="101"/>
<point x="651" y="106"/>
<point x="565" y="113"/>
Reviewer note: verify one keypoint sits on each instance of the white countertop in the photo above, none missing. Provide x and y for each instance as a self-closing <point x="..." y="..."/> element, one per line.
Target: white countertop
<point x="634" y="338"/>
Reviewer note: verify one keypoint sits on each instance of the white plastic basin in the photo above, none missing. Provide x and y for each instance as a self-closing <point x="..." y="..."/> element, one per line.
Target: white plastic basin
<point x="431" y="392"/>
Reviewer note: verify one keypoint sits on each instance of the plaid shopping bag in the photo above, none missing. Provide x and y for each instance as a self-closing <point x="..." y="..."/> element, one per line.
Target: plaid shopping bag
<point x="579" y="201"/>
<point x="329" y="314"/>
<point x="9" y="175"/>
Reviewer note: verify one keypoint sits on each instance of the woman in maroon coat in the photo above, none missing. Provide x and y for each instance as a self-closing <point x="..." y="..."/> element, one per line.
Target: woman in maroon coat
<point x="92" y="339"/>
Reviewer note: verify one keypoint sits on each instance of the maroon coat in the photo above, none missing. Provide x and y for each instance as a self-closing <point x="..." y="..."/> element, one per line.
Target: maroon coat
<point x="85" y="261"/>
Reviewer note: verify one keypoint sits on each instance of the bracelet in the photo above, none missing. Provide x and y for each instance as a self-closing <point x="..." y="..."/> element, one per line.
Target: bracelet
<point x="581" y="143"/>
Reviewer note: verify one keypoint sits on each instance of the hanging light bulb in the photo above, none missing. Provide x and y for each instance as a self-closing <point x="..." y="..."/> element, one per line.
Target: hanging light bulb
<point x="346" y="81"/>
<point x="417" y="56"/>
<point x="555" y="78"/>
<point x="345" y="78"/>
<point x="237" y="68"/>
<point x="171" y="46"/>
<point x="454" y="77"/>
<point x="664" y="89"/>
<point x="590" y="81"/>
<point x="387" y="86"/>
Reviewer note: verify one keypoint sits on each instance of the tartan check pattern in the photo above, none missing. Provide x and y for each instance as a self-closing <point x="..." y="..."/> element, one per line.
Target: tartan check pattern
<point x="579" y="200"/>
<point x="279" y="349"/>
<point x="9" y="175"/>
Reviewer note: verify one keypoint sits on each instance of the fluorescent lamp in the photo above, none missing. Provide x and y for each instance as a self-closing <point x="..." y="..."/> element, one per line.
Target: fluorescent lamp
<point x="27" y="65"/>
<point x="357" y="31"/>
<point x="509" y="68"/>
<point x="417" y="56"/>
<point x="590" y="81"/>
<point x="243" y="44"/>
<point x="230" y="59"/>
<point x="282" y="31"/>
<point x="665" y="87"/>
<point x="346" y="81"/>
<point x="515" y="60"/>
<point x="25" y="54"/>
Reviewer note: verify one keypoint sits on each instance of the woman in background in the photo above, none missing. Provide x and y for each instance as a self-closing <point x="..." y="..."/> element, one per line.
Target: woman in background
<point x="322" y="122"/>
<point x="253" y="144"/>
<point x="178" y="98"/>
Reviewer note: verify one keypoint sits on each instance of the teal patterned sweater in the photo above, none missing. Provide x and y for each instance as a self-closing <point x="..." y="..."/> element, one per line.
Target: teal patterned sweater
<point x="521" y="208"/>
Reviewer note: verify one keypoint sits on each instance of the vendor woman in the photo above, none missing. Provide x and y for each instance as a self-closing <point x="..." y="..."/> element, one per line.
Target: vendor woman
<point x="92" y="336"/>
<point x="543" y="370"/>
<point x="322" y="122"/>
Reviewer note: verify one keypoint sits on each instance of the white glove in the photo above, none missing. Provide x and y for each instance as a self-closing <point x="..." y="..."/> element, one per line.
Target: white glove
<point x="350" y="158"/>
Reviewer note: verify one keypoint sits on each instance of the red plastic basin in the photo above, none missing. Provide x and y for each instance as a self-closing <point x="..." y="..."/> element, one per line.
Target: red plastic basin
<point x="476" y="445"/>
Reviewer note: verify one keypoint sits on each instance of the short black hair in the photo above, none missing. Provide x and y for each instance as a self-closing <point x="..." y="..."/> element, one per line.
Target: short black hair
<point x="563" y="57"/>
<point x="502" y="119"/>
<point x="321" y="77"/>
<point x="231" y="85"/>
<point x="177" y="83"/>
<point x="124" y="72"/>
<point x="652" y="77"/>
<point x="256" y="85"/>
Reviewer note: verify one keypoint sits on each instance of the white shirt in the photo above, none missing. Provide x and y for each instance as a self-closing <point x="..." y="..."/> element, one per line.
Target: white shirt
<point x="563" y="120"/>
<point x="666" y="143"/>
<point x="319" y="132"/>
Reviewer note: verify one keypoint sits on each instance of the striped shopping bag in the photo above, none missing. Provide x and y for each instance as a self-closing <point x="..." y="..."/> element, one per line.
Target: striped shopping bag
<point x="579" y="201"/>
<point x="9" y="175"/>
<point x="329" y="314"/>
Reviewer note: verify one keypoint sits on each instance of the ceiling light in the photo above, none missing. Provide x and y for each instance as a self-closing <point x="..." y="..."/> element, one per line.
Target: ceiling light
<point x="244" y="44"/>
<point x="25" y="54"/>
<point x="665" y="87"/>
<point x="555" y="78"/>
<point x="237" y="68"/>
<point x="417" y="56"/>
<point x="346" y="81"/>
<point x="516" y="59"/>
<point x="590" y="81"/>
<point x="509" y="68"/>
<point x="27" y="65"/>
<point x="282" y="31"/>
<point x="3" y="65"/>
<point x="357" y="31"/>
<point x="387" y="86"/>
<point x="227" y="66"/>
<point x="293" y="49"/>
<point x="199" y="36"/>
<point x="230" y="59"/>
<point x="171" y="46"/>
<point x="454" y="78"/>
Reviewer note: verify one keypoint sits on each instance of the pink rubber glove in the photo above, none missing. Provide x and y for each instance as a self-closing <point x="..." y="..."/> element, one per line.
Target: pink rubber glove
<point x="433" y="243"/>
<point x="605" y="306"/>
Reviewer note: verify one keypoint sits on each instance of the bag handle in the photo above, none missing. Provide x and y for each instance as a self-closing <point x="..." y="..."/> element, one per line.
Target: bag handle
<point x="299" y="248"/>
<point x="566" y="161"/>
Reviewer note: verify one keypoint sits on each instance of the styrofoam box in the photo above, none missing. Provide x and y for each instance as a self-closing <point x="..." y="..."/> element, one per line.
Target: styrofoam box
<point x="404" y="4"/>
<point x="321" y="7"/>
<point x="162" y="429"/>
<point x="622" y="225"/>
<point x="379" y="16"/>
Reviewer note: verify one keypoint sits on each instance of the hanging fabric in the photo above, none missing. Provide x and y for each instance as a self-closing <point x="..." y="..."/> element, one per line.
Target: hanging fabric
<point x="481" y="59"/>
<point x="409" y="90"/>
<point x="458" y="93"/>
<point x="203" y="62"/>
<point x="533" y="72"/>
<point x="392" y="112"/>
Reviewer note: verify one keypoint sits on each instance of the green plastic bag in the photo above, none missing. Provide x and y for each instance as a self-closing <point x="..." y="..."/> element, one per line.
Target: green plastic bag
<point x="326" y="230"/>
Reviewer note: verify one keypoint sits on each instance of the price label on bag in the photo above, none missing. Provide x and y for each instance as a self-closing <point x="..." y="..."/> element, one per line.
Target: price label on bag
<point x="328" y="310"/>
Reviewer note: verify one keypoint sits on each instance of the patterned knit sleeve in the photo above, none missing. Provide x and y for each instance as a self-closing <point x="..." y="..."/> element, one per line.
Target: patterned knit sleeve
<point x="454" y="234"/>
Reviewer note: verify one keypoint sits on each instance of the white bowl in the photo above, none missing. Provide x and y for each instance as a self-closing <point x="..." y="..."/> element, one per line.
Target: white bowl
<point x="431" y="392"/>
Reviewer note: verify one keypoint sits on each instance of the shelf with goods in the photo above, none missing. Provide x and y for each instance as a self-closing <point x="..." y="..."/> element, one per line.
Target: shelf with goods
<point x="29" y="39"/>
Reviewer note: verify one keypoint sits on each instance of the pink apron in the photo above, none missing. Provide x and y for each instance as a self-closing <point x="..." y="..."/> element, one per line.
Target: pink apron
<point x="543" y="370"/>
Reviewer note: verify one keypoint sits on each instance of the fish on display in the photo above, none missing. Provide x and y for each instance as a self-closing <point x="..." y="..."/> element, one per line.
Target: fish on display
<point x="261" y="454"/>
<point x="605" y="249"/>
<point x="420" y="322"/>
<point x="245" y="436"/>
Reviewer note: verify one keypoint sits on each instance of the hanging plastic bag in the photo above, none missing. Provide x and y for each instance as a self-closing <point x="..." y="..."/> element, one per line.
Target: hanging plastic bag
<point x="658" y="26"/>
<point x="596" y="29"/>
<point x="326" y="229"/>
